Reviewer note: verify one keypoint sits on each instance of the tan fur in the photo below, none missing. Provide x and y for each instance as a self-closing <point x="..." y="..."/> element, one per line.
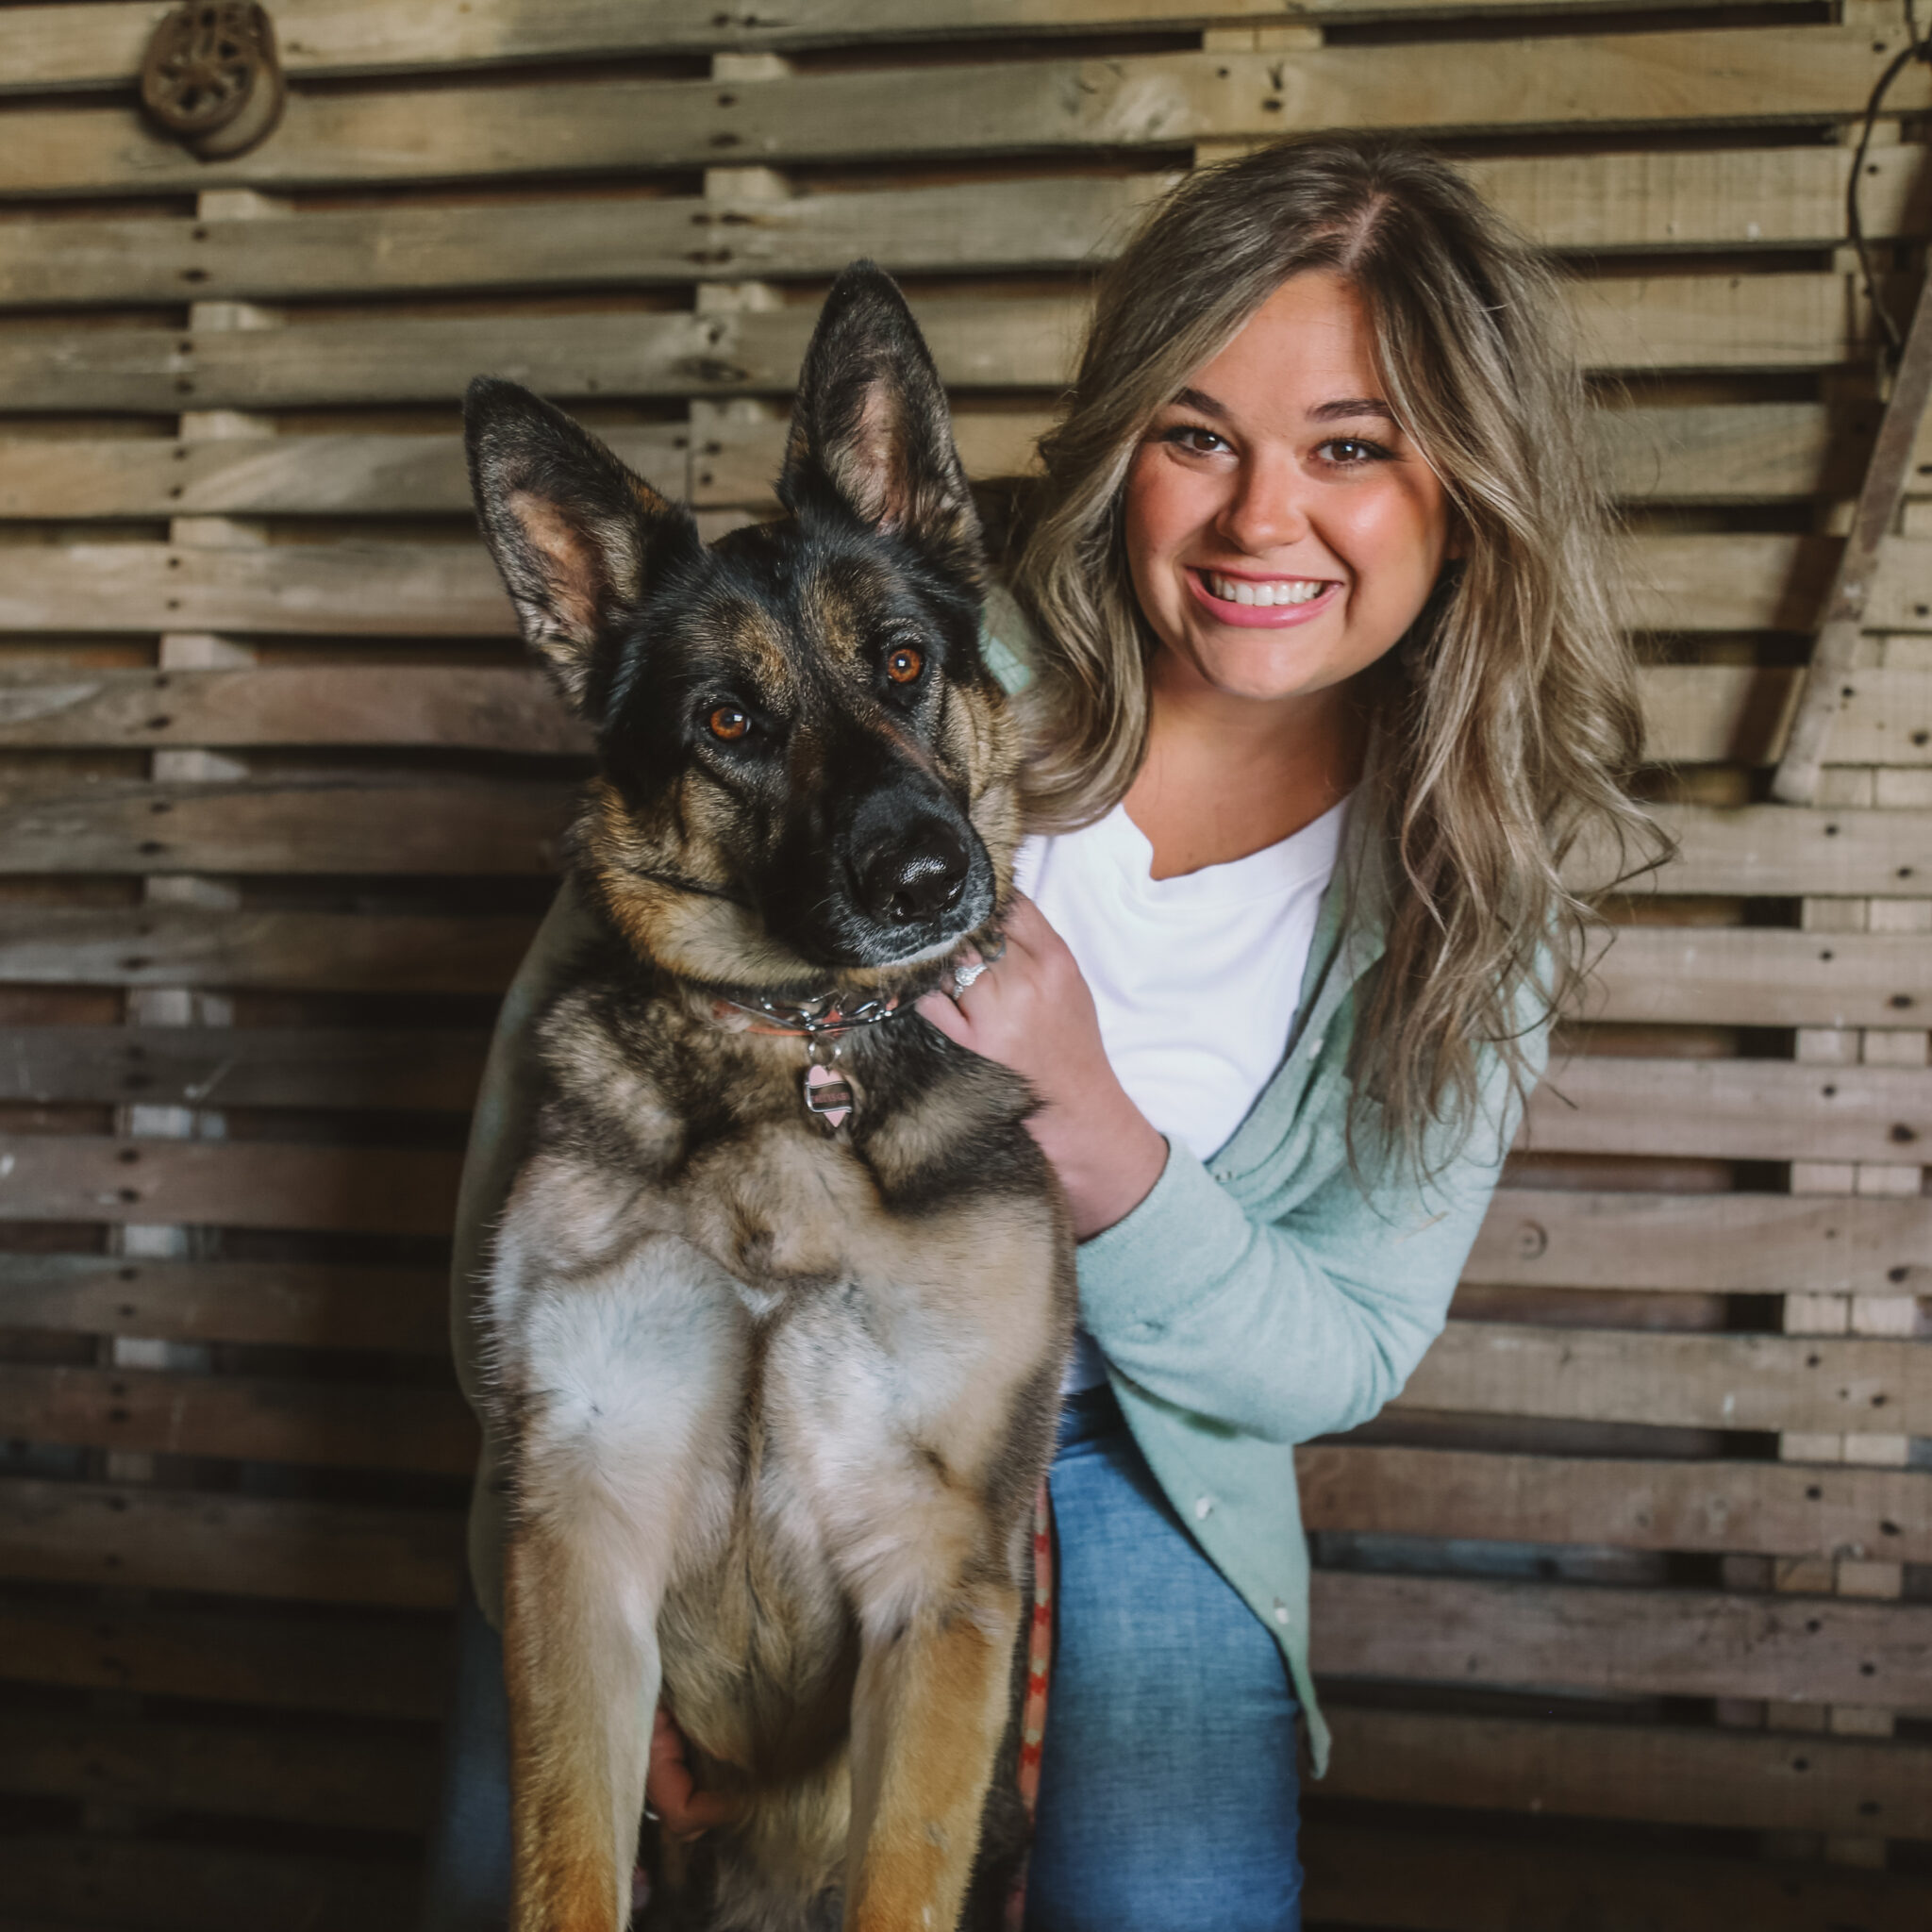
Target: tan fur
<point x="757" y="1418"/>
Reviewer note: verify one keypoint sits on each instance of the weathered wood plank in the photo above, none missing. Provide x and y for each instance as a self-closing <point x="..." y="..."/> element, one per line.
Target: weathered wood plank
<point x="501" y="827"/>
<point x="280" y="476"/>
<point x="155" y="1539"/>
<point x="380" y="1783"/>
<point x="1708" y="1244"/>
<point x="400" y="1068"/>
<point x="149" y="1885"/>
<point x="1620" y="1642"/>
<point x="333" y="952"/>
<point x="1813" y="1384"/>
<point x="1738" y="1780"/>
<point x="1703" y="714"/>
<point x="43" y="48"/>
<point x="1730" y="1109"/>
<point x="413" y="476"/>
<point x="466" y="708"/>
<point x="1761" y="74"/>
<point x="391" y="1667"/>
<point x="1744" y="1507"/>
<point x="320" y="1425"/>
<point x="285" y="1303"/>
<point x="1772" y="321"/>
<point x="232" y="1184"/>
<point x="1371" y="1877"/>
<point x="294" y="589"/>
<point x="1761" y="198"/>
<point x="1783" y="851"/>
<point x="982" y="227"/>
<point x="1757" y="976"/>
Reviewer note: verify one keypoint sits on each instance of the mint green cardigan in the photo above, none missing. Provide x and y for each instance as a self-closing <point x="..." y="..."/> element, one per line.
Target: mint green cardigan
<point x="1269" y="1295"/>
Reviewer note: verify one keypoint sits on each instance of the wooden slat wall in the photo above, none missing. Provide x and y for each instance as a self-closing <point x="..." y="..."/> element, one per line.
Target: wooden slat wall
<point x="1624" y="1608"/>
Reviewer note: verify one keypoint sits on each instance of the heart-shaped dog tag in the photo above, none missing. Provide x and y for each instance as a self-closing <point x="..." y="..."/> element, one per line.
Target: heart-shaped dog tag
<point x="828" y="1095"/>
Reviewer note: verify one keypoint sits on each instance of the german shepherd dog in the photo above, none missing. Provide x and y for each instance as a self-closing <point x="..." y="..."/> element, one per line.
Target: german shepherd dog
<point x="780" y="1304"/>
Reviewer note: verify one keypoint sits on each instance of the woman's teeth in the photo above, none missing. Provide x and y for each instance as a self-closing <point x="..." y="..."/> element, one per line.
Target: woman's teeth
<point x="1278" y="591"/>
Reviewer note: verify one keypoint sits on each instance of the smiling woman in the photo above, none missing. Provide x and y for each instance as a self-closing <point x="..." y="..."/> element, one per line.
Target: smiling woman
<point x="1327" y="686"/>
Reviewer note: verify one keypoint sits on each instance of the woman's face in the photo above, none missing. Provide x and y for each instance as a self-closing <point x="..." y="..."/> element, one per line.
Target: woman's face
<point x="1282" y="530"/>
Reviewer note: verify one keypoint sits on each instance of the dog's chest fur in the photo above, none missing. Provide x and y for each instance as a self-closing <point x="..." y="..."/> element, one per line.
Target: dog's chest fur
<point x="850" y="1328"/>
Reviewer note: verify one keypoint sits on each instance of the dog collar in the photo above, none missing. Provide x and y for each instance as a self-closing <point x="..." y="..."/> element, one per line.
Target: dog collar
<point x="822" y="1022"/>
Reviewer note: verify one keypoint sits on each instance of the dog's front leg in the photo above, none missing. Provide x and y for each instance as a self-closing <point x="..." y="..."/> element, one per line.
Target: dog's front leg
<point x="623" y="1465"/>
<point x="927" y="1716"/>
<point x="581" y="1669"/>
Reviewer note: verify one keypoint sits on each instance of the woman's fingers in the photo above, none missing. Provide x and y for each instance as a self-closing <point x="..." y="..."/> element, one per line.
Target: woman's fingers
<point x="671" y="1790"/>
<point x="942" y="1010"/>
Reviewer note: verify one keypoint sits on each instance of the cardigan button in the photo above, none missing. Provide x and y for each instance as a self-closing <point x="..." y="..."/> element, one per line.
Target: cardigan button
<point x="1204" y="1507"/>
<point x="1280" y="1611"/>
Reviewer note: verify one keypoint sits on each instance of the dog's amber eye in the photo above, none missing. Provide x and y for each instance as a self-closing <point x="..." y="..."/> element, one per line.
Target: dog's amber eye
<point x="904" y="665"/>
<point x="728" y="723"/>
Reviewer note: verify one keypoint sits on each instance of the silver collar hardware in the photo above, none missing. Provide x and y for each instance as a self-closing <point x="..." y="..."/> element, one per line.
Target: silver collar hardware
<point x="822" y="1023"/>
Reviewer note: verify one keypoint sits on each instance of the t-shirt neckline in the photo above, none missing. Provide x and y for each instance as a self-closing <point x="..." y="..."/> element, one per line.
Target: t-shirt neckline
<point x="1274" y="872"/>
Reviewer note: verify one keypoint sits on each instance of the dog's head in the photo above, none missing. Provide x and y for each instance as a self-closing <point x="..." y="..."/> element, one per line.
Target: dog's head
<point x="805" y="769"/>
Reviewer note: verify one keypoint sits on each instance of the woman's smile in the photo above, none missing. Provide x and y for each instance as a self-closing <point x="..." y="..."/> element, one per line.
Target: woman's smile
<point x="1241" y="599"/>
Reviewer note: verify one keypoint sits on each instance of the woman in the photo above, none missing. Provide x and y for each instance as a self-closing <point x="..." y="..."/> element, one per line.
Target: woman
<point x="1325" y="685"/>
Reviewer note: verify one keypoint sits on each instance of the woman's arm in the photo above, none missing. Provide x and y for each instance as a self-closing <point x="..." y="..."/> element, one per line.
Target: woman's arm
<point x="1283" y="1328"/>
<point x="1292" y="1329"/>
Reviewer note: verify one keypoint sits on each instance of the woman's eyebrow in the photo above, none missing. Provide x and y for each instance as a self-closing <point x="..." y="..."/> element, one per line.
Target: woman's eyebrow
<point x="1353" y="406"/>
<point x="1198" y="400"/>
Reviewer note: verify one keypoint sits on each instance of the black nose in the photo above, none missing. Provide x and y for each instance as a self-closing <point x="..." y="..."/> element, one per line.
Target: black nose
<point x="913" y="875"/>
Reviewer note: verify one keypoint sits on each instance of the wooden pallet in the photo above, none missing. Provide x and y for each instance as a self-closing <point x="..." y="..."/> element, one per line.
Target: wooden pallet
<point x="1621" y="1608"/>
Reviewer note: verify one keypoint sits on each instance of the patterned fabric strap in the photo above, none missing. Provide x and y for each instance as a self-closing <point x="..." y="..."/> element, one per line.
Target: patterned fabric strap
<point x="1039" y="1672"/>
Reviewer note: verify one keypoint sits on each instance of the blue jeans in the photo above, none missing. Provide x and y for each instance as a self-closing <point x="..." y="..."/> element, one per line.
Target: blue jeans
<point x="1168" y="1790"/>
<point x="1169" y="1786"/>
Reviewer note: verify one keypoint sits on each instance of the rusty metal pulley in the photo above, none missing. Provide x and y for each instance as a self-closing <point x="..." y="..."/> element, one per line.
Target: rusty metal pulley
<point x="211" y="78"/>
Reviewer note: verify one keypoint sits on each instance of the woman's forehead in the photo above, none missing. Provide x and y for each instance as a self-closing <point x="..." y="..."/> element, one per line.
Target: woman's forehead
<point x="1308" y="351"/>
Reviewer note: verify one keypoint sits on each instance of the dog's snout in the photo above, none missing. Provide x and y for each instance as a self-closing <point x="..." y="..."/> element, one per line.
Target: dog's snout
<point x="916" y="875"/>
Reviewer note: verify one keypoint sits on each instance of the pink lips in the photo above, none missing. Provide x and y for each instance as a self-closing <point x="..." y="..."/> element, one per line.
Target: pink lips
<point x="1258" y="616"/>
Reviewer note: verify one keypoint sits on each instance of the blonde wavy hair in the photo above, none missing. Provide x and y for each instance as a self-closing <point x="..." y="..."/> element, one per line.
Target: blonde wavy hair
<point x="1506" y="723"/>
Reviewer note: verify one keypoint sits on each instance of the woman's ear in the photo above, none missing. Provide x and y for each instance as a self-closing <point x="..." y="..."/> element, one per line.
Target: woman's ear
<point x="871" y="430"/>
<point x="574" y="534"/>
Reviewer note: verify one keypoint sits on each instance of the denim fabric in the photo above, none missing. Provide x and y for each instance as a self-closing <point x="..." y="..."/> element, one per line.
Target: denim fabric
<point x="1169" y="1786"/>
<point x="466" y="1884"/>
<point x="1168" y="1790"/>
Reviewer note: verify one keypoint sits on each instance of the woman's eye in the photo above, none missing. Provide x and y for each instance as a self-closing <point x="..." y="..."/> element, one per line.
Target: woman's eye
<point x="1350" y="450"/>
<point x="728" y="723"/>
<point x="904" y="665"/>
<point x="1193" y="439"/>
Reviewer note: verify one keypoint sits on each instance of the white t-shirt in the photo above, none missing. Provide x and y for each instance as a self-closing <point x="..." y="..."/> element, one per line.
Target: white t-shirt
<point x="1196" y="979"/>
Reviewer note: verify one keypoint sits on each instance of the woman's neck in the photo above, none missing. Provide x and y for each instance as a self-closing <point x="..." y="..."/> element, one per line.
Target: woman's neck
<point x="1225" y="777"/>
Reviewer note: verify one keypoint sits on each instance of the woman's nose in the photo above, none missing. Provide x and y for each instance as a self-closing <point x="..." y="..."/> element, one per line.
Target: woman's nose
<point x="1269" y="507"/>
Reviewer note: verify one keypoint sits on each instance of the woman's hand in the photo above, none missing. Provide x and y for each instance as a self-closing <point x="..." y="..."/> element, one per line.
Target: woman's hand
<point x="1032" y="1012"/>
<point x="671" y="1790"/>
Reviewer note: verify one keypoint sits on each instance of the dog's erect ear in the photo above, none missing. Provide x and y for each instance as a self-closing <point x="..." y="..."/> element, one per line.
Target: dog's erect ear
<point x="872" y="428"/>
<point x="576" y="535"/>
